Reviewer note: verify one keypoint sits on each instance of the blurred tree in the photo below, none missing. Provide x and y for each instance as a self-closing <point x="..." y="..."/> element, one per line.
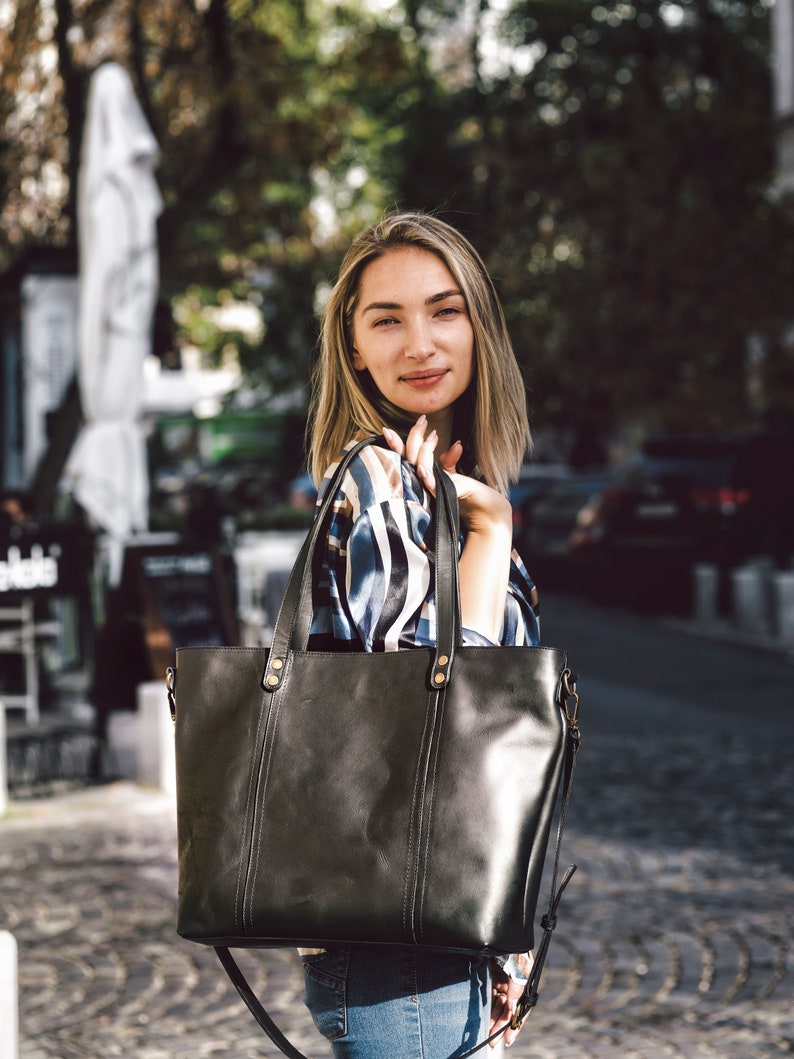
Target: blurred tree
<point x="613" y="162"/>
<point x="235" y="95"/>
<point x="610" y="158"/>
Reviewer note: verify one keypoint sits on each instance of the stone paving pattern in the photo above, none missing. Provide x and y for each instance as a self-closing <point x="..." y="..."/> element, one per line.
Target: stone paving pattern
<point x="674" y="940"/>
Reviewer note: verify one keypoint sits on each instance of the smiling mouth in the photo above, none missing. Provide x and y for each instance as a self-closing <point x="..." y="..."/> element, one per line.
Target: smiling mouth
<point x="420" y="378"/>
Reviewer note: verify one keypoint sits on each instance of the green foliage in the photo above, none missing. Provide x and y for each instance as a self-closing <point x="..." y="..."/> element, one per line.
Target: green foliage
<point x="611" y="159"/>
<point x="618" y="189"/>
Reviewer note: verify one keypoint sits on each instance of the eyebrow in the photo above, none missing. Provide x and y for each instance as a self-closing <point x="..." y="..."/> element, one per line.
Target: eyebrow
<point x="440" y="297"/>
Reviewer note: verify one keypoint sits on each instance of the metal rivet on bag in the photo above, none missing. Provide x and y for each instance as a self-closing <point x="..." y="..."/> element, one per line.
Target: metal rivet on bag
<point x="443" y="660"/>
<point x="439" y="678"/>
<point x="272" y="681"/>
<point x="276" y="663"/>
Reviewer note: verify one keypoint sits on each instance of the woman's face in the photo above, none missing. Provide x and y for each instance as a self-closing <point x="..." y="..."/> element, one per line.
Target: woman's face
<point x="412" y="332"/>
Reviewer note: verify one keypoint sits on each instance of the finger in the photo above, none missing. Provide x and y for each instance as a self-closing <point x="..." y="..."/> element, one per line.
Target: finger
<point x="427" y="450"/>
<point x="394" y="440"/>
<point x="427" y="477"/>
<point x="449" y="459"/>
<point x="496" y="1025"/>
<point x="424" y="460"/>
<point x="499" y="1012"/>
<point x="510" y="1035"/>
<point x="415" y="439"/>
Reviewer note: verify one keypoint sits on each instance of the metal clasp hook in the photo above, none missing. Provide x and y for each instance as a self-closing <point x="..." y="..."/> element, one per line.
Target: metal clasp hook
<point x="170" y="683"/>
<point x="571" y="695"/>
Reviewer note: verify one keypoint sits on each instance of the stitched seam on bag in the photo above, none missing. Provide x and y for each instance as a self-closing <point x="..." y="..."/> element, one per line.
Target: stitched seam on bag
<point x="270" y="739"/>
<point x="250" y="868"/>
<point x="409" y="850"/>
<point x="411" y="832"/>
<point x="251" y="782"/>
<point x="418" y="814"/>
<point x="270" y="746"/>
<point x="264" y="771"/>
<point x="424" y="855"/>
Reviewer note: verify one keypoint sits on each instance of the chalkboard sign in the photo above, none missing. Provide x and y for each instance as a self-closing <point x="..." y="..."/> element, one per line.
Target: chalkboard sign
<point x="169" y="596"/>
<point x="186" y="602"/>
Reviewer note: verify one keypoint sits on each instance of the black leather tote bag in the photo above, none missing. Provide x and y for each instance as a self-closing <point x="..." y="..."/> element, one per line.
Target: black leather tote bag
<point x="399" y="798"/>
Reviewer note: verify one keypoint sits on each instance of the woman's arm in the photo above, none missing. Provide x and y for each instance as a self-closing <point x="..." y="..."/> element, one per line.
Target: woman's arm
<point x="485" y="568"/>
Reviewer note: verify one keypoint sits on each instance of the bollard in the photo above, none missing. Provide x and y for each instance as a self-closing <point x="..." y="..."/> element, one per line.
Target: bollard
<point x="750" y="599"/>
<point x="9" y="997"/>
<point x="123" y="745"/>
<point x="3" y="765"/>
<point x="783" y="600"/>
<point x="156" y="755"/>
<point x="707" y="585"/>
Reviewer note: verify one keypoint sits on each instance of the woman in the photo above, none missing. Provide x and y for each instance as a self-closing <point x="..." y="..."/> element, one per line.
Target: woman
<point x="414" y="349"/>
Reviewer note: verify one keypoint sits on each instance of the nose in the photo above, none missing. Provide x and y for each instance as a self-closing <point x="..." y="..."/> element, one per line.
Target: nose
<point x="421" y="344"/>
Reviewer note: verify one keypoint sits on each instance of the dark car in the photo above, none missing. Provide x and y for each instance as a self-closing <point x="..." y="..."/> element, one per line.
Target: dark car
<point x="535" y="480"/>
<point x="683" y="499"/>
<point x="547" y="533"/>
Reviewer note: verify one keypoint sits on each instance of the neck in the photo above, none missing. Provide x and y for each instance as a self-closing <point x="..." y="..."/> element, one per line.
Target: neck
<point x="442" y="423"/>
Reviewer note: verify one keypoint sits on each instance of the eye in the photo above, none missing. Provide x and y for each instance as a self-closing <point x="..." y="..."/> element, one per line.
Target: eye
<point x="384" y="320"/>
<point x="447" y="312"/>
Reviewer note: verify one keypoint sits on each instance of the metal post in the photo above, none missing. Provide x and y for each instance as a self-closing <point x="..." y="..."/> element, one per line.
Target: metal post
<point x="707" y="583"/>
<point x="3" y="764"/>
<point x="783" y="583"/>
<point x="749" y="586"/>
<point x="9" y="997"/>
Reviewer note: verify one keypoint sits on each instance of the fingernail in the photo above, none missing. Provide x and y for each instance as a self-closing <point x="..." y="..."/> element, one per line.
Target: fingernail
<point x="422" y="419"/>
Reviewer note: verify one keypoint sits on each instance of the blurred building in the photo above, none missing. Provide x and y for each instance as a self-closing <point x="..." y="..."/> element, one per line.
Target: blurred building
<point x="783" y="45"/>
<point x="38" y="352"/>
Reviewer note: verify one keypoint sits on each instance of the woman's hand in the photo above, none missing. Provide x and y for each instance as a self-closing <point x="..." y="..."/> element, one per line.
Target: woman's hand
<point x="487" y="517"/>
<point x="481" y="508"/>
<point x="419" y="448"/>
<point x="504" y="997"/>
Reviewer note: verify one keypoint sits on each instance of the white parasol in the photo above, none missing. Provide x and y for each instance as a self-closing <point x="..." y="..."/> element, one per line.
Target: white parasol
<point x="118" y="204"/>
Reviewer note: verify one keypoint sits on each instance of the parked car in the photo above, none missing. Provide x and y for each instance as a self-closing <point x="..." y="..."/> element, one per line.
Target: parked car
<point x="534" y="482"/>
<point x="548" y="532"/>
<point x="684" y="499"/>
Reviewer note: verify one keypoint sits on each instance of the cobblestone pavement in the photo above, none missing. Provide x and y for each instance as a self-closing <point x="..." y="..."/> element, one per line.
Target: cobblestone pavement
<point x="674" y="939"/>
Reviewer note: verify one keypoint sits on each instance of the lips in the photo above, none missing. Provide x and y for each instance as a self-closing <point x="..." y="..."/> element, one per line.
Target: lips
<point x="420" y="379"/>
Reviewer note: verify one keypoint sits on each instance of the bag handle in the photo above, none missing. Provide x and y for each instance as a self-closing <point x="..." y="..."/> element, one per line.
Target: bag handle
<point x="293" y="623"/>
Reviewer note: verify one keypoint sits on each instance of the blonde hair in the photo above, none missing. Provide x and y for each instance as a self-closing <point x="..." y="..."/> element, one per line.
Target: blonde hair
<point x="491" y="419"/>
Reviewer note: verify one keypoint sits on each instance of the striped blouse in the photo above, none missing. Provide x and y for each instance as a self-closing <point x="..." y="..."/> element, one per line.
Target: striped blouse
<point x="376" y="583"/>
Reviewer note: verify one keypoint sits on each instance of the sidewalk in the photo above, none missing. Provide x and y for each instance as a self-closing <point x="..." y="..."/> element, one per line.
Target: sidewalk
<point x="726" y="632"/>
<point x="674" y="938"/>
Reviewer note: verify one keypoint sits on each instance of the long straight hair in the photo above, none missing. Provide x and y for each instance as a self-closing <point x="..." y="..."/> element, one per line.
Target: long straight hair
<point x="490" y="418"/>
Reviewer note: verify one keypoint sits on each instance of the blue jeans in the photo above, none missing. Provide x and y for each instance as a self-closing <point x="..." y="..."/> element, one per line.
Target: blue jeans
<point x="383" y="1003"/>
